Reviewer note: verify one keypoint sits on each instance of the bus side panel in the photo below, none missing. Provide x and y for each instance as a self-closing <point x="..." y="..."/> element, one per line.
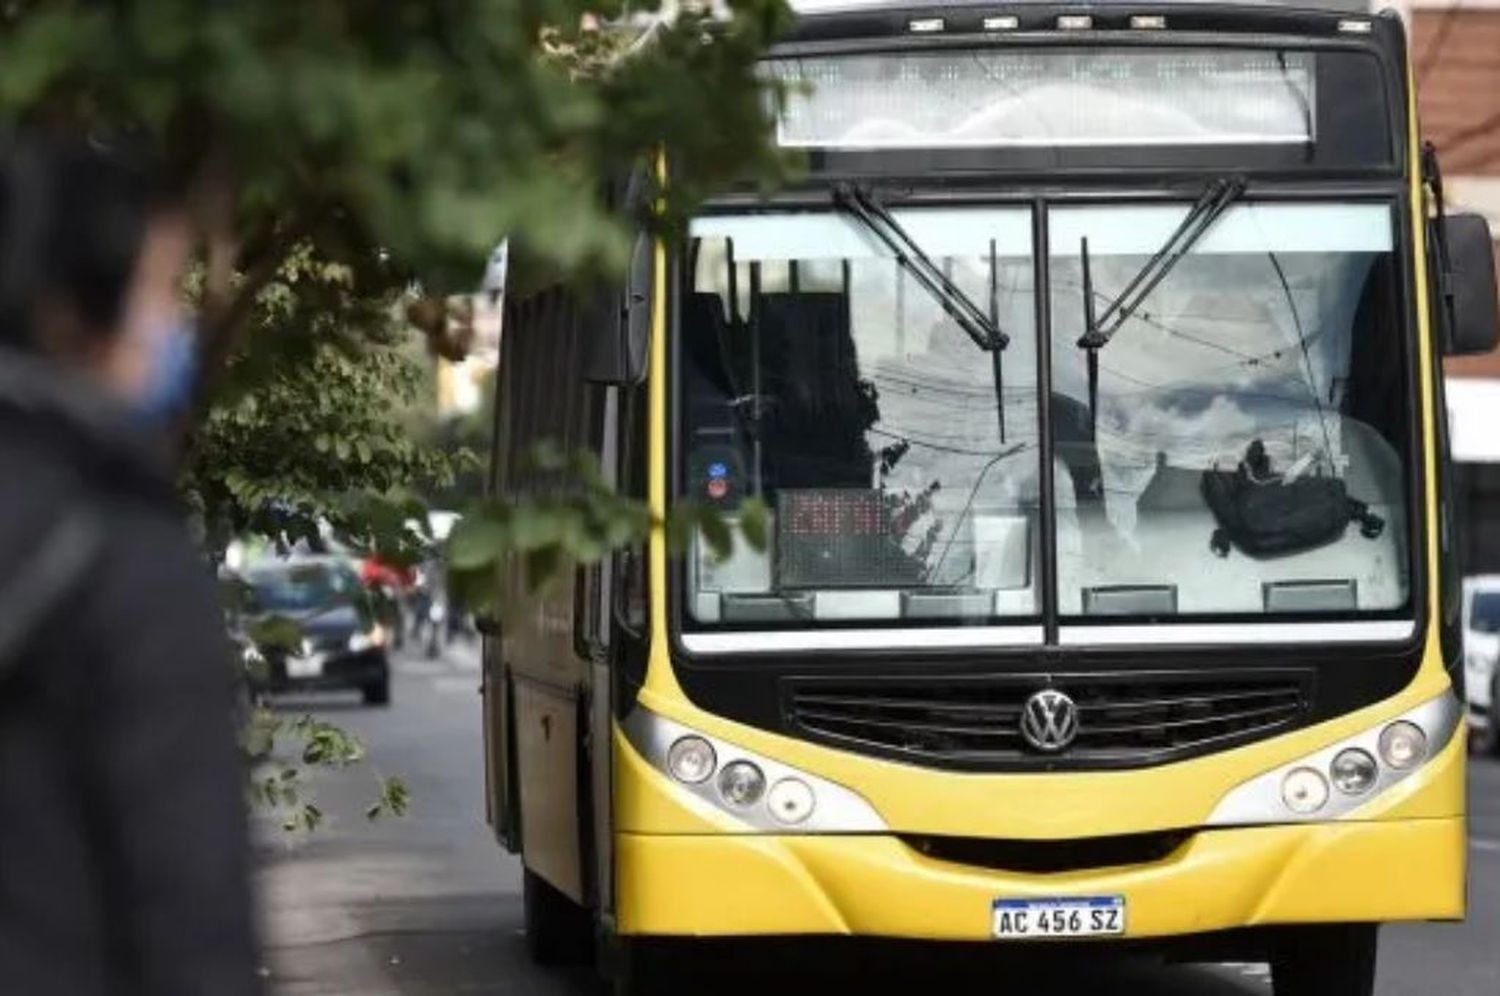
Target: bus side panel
<point x="601" y="769"/>
<point x="541" y="398"/>
<point x="499" y="773"/>
<point x="547" y="763"/>
<point x="499" y="778"/>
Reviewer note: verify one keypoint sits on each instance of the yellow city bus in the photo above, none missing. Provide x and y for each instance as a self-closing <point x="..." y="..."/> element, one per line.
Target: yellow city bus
<point x="1090" y="377"/>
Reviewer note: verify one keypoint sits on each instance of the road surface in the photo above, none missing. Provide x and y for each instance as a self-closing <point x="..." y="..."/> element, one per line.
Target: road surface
<point x="429" y="904"/>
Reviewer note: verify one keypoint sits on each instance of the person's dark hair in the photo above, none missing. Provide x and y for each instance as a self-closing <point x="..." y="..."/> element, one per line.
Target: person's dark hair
<point x="72" y="220"/>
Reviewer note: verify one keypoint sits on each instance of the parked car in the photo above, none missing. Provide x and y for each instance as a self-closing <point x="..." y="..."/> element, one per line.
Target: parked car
<point x="314" y="626"/>
<point x="1482" y="659"/>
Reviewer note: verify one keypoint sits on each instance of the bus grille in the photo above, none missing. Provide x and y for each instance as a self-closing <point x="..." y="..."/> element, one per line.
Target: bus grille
<point x="1051" y="856"/>
<point x="1124" y="720"/>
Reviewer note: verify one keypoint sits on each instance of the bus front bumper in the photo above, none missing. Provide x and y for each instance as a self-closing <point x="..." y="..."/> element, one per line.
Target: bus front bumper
<point x="876" y="885"/>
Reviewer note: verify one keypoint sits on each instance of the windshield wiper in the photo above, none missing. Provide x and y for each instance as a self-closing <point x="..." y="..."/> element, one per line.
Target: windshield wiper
<point x="868" y="211"/>
<point x="1098" y="331"/>
<point x="983" y="328"/>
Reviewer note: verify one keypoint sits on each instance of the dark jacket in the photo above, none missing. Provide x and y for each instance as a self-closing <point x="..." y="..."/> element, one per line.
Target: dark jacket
<point x="123" y="845"/>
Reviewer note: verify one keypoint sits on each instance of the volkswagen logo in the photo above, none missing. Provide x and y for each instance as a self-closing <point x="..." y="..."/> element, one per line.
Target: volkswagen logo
<point x="1049" y="721"/>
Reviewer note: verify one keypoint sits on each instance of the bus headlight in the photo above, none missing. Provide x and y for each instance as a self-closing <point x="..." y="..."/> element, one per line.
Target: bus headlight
<point x="1360" y="767"/>
<point x="691" y="760"/>
<point x="741" y="783"/>
<point x="1403" y="744"/>
<point x="1304" y="790"/>
<point x="1354" y="771"/>
<point x="751" y="789"/>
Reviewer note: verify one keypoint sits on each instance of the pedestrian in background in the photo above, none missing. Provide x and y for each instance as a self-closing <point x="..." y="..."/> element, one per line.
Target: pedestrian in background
<point x="123" y="845"/>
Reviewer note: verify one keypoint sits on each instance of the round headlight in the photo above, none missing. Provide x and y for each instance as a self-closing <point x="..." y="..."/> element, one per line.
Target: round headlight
<point x="1403" y="744"/>
<point x="691" y="760"/>
<point x="1353" y="771"/>
<point x="741" y="783"/>
<point x="1304" y="790"/>
<point x="790" y="800"/>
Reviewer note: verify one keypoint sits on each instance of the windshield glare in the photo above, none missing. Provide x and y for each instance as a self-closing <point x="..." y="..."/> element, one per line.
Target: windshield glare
<point x="1278" y="331"/>
<point x="301" y="589"/>
<point x="819" y="375"/>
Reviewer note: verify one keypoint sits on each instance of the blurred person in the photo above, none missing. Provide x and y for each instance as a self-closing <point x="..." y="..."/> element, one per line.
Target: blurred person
<point x="389" y="584"/>
<point x="123" y="843"/>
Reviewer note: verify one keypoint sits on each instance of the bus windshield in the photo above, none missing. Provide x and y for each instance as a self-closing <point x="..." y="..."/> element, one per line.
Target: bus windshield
<point x="900" y="459"/>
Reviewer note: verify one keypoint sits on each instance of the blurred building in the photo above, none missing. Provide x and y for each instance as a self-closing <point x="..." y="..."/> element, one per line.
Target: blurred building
<point x="1456" y="61"/>
<point x="460" y="386"/>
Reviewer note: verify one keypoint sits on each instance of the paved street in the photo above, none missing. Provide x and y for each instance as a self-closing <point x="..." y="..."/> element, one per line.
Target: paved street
<point x="429" y="904"/>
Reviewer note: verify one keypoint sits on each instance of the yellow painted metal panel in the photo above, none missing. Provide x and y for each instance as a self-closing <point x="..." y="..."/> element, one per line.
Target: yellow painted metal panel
<point x="646" y="800"/>
<point x="1437" y="792"/>
<point x="547" y="766"/>
<point x="877" y="886"/>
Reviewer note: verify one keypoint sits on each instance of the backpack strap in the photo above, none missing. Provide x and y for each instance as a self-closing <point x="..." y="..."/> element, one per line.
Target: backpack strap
<point x="43" y="580"/>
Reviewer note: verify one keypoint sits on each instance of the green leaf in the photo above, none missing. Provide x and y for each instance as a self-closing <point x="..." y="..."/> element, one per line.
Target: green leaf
<point x="754" y="521"/>
<point x="477" y="541"/>
<point x="716" y="533"/>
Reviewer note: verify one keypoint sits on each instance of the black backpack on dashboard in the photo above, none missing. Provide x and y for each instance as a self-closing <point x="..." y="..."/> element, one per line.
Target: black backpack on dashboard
<point x="1263" y="514"/>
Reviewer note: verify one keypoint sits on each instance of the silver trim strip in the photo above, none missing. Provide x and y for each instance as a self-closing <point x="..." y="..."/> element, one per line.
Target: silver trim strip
<point x="1258" y="800"/>
<point x="1373" y="631"/>
<point x="1152" y="635"/>
<point x="862" y="639"/>
<point x="837" y="809"/>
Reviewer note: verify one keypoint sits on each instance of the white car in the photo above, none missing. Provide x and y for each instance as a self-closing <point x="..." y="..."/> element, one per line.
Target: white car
<point x="1482" y="658"/>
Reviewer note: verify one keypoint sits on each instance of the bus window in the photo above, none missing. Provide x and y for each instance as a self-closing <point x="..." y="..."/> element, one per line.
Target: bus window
<point x="1273" y="344"/>
<point x="821" y="376"/>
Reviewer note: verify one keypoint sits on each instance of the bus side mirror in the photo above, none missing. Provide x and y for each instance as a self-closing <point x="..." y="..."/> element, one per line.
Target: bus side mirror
<point x="628" y="597"/>
<point x="620" y="340"/>
<point x="1471" y="308"/>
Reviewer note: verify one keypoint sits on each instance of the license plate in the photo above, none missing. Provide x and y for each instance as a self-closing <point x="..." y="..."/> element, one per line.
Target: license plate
<point x="1038" y="919"/>
<point x="310" y="666"/>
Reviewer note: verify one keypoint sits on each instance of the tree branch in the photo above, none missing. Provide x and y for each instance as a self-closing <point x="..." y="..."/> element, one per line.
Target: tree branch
<point x="222" y="324"/>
